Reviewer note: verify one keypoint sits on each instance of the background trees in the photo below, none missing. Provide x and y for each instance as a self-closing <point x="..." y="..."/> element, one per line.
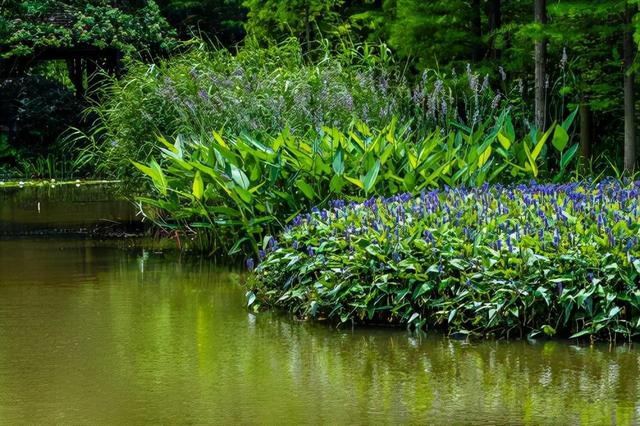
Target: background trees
<point x="552" y="57"/>
<point x="218" y="20"/>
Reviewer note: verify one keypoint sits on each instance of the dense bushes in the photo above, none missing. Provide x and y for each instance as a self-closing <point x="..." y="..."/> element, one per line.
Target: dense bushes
<point x="260" y="91"/>
<point x="259" y="136"/>
<point x="28" y="26"/>
<point x="34" y="111"/>
<point x="509" y="261"/>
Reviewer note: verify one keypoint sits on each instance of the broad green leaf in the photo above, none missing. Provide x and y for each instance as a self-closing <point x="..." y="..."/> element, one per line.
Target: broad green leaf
<point x="504" y="141"/>
<point x="244" y="194"/>
<point x="155" y="173"/>
<point x="338" y="162"/>
<point x="581" y="333"/>
<point x="413" y="160"/>
<point x="356" y="182"/>
<point x="166" y="143"/>
<point x="251" y="297"/>
<point x="219" y="139"/>
<point x="560" y="138"/>
<point x="239" y="177"/>
<point x="409" y="181"/>
<point x="144" y="169"/>
<point x="531" y="165"/>
<point x="198" y="186"/>
<point x="370" y="179"/>
<point x="336" y="184"/>
<point x="538" y="148"/>
<point x="306" y="189"/>
<point x="568" y="156"/>
<point x="567" y="123"/>
<point x="484" y="157"/>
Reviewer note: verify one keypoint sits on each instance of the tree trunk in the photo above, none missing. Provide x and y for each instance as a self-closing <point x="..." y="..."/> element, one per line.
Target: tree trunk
<point x="629" y="108"/>
<point x="540" y="67"/>
<point x="92" y="78"/>
<point x="476" y="30"/>
<point x="76" y="75"/>
<point x="494" y="16"/>
<point x="586" y="132"/>
<point x="307" y="28"/>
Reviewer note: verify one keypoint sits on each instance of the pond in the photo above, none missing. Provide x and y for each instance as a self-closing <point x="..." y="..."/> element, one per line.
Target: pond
<point x="48" y="208"/>
<point x="99" y="332"/>
<point x="95" y="334"/>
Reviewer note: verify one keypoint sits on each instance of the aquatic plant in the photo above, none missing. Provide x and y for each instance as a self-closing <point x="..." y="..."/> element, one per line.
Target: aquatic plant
<point x="558" y="259"/>
<point x="229" y="192"/>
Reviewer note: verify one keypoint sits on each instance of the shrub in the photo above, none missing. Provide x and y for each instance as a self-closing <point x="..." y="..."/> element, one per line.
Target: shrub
<point x="515" y="260"/>
<point x="37" y="110"/>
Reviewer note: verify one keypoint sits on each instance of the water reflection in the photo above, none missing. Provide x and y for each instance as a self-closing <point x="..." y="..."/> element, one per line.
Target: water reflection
<point x="100" y="335"/>
<point x="64" y="209"/>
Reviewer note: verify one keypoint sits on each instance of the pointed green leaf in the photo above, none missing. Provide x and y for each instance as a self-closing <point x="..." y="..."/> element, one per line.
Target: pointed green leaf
<point x="484" y="157"/>
<point x="567" y="123"/>
<point x="560" y="138"/>
<point x="338" y="162"/>
<point x="306" y="189"/>
<point x="239" y="177"/>
<point x="198" y="186"/>
<point x="504" y="140"/>
<point x="356" y="182"/>
<point x="538" y="148"/>
<point x="370" y="179"/>
<point x="568" y="156"/>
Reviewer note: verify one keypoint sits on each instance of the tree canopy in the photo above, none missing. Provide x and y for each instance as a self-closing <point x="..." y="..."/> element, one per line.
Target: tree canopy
<point x="132" y="25"/>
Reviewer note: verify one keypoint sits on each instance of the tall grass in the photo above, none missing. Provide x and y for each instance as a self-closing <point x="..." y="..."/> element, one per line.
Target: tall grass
<point x="262" y="91"/>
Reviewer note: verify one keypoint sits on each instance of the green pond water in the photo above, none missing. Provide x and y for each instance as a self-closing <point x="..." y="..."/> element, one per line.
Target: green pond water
<point x="96" y="333"/>
<point x="64" y="210"/>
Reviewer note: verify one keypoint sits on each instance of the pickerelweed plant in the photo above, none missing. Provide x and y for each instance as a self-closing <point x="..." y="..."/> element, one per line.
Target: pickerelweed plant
<point x="508" y="261"/>
<point x="227" y="193"/>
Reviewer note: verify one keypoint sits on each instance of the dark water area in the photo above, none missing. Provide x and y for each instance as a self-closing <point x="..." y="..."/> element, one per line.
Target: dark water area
<point x="67" y="210"/>
<point x="100" y="332"/>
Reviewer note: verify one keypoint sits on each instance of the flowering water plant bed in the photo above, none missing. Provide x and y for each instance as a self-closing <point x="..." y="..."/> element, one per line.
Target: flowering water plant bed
<point x="554" y="259"/>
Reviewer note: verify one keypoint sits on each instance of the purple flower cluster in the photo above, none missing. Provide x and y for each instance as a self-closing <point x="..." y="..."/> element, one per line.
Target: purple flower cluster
<point x="541" y="218"/>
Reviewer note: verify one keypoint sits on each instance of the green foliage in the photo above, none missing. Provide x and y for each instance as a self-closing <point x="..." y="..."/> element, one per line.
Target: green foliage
<point x="235" y="191"/>
<point x="590" y="55"/>
<point x="448" y="24"/>
<point x="505" y="261"/>
<point x="262" y="91"/>
<point x="303" y="19"/>
<point x="218" y="20"/>
<point x="131" y="26"/>
<point x="257" y="90"/>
